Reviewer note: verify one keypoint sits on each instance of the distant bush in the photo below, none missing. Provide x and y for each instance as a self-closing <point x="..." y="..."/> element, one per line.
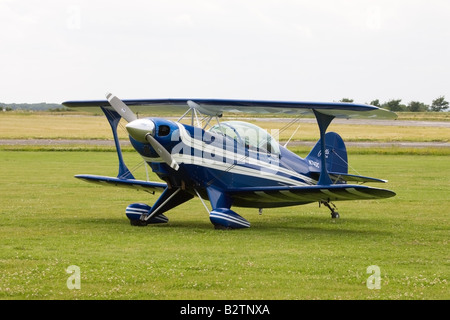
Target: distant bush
<point x="43" y="106"/>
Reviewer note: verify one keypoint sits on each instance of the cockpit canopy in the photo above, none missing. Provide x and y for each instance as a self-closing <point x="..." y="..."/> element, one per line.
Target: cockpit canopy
<point x="249" y="135"/>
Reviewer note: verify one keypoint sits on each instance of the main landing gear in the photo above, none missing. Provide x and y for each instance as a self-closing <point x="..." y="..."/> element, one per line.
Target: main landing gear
<point x="334" y="213"/>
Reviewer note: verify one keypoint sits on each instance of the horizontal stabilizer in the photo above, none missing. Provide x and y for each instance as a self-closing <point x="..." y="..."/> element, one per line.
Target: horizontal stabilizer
<point x="127" y="183"/>
<point x="344" y="177"/>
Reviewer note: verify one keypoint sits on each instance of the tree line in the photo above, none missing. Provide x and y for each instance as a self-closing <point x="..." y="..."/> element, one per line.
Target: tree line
<point x="43" y="106"/>
<point x="437" y="105"/>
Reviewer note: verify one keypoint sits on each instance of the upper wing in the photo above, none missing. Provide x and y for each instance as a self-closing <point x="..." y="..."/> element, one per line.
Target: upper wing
<point x="285" y="195"/>
<point x="218" y="106"/>
<point x="147" y="186"/>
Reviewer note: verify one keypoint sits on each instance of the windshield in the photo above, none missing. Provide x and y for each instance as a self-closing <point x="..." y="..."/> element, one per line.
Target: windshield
<point x="249" y="135"/>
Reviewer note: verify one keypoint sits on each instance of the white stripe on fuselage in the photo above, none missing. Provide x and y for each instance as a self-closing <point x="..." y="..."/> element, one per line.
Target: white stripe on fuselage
<point x="233" y="162"/>
<point x="230" y="157"/>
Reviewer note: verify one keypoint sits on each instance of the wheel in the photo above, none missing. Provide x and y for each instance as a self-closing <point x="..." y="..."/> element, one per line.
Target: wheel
<point x="335" y="215"/>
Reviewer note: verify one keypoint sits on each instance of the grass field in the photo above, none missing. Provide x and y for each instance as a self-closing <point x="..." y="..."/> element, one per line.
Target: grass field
<point x="50" y="221"/>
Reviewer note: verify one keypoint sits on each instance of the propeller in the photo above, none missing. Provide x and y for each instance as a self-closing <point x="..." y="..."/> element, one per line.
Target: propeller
<point x="121" y="108"/>
<point x="141" y="130"/>
<point x="163" y="153"/>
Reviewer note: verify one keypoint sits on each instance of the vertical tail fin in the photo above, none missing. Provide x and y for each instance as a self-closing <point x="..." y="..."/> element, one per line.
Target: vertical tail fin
<point x="335" y="153"/>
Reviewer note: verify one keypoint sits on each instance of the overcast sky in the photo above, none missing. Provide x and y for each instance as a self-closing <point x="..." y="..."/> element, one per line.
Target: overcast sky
<point x="321" y="50"/>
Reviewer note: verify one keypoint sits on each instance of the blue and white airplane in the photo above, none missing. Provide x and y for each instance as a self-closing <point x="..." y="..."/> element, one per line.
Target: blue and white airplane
<point x="233" y="163"/>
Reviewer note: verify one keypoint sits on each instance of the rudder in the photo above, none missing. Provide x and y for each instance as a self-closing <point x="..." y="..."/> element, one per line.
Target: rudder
<point x="335" y="154"/>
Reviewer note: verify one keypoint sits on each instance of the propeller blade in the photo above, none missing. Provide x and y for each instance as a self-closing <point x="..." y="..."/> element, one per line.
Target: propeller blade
<point x="138" y="127"/>
<point x="163" y="153"/>
<point x="121" y="108"/>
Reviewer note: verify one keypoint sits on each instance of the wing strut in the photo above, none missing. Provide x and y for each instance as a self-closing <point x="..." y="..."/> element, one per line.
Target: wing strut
<point x="113" y="119"/>
<point x="323" y="120"/>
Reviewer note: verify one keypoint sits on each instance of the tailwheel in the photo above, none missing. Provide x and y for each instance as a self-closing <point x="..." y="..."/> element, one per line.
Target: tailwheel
<point x="334" y="213"/>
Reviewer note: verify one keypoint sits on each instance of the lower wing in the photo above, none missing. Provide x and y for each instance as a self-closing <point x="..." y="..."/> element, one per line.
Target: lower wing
<point x="264" y="197"/>
<point x="147" y="186"/>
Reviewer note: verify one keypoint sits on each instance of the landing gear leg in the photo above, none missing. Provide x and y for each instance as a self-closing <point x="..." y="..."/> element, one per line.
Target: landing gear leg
<point x="334" y="213"/>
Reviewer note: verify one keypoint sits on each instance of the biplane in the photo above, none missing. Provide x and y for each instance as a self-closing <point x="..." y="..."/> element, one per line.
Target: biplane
<point x="232" y="163"/>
